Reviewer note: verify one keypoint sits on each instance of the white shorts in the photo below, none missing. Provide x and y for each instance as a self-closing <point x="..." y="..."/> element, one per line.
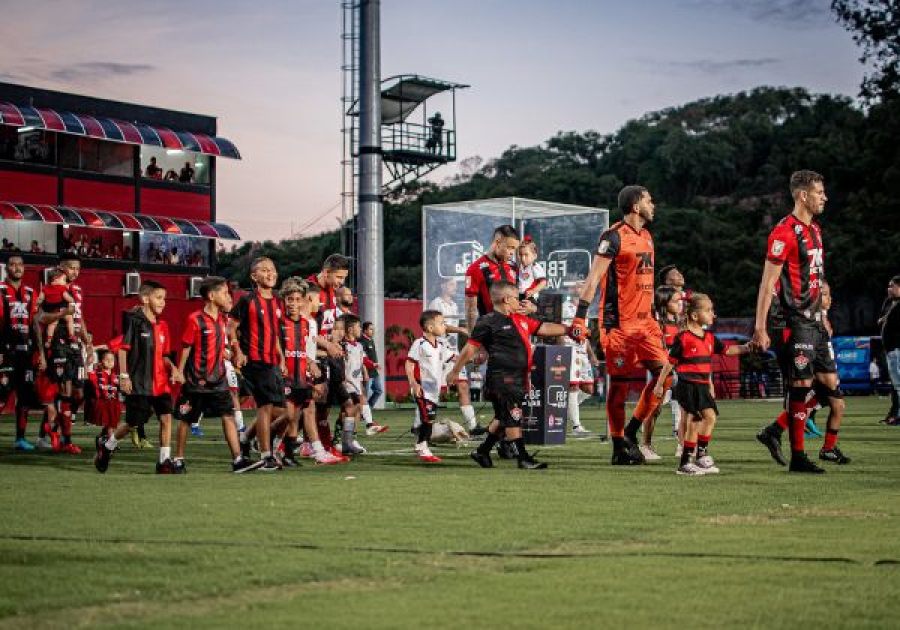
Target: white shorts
<point x="581" y="372"/>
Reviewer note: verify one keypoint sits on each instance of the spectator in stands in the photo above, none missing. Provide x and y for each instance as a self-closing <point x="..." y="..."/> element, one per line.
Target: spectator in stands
<point x="153" y="171"/>
<point x="69" y="246"/>
<point x="890" y="338"/>
<point x="36" y="248"/>
<point x="187" y="174"/>
<point x="171" y="175"/>
<point x="116" y="252"/>
<point x="6" y="244"/>
<point x="173" y="258"/>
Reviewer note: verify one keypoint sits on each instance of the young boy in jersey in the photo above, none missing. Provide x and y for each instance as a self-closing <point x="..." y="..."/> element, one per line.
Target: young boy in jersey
<point x="205" y="390"/>
<point x="352" y="393"/>
<point x="145" y="374"/>
<point x="426" y="364"/>
<point x="253" y="331"/>
<point x="506" y="336"/>
<point x="105" y="409"/>
<point x="691" y="355"/>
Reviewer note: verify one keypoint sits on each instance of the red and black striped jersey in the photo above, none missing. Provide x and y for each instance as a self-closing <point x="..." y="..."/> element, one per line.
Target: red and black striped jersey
<point x="484" y="272"/>
<point x="257" y="319"/>
<point x="797" y="247"/>
<point x="327" y="301"/>
<point x="670" y="328"/>
<point x="294" y="339"/>
<point x="692" y="356"/>
<point x="106" y="384"/>
<point x="207" y="338"/>
<point x="18" y="312"/>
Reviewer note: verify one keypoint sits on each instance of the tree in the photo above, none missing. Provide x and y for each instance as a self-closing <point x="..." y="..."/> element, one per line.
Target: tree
<point x="875" y="26"/>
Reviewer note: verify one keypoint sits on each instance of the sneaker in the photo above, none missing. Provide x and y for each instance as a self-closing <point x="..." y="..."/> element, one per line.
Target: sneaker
<point x="70" y="448"/>
<point x="328" y="459"/>
<point x="144" y="443"/>
<point x="429" y="458"/>
<point x="707" y="464"/>
<point x="23" y="445"/>
<point x="833" y="455"/>
<point x="375" y="429"/>
<point x="54" y="441"/>
<point x="196" y="431"/>
<point x="43" y="444"/>
<point x="530" y="463"/>
<point x="771" y="441"/>
<point x="101" y="459"/>
<point x="245" y="465"/>
<point x="353" y="448"/>
<point x="649" y="453"/>
<point x="690" y="469"/>
<point x="336" y="452"/>
<point x="893" y="422"/>
<point x="179" y="467"/>
<point x="624" y="457"/>
<point x="135" y="439"/>
<point x="802" y="464"/>
<point x="579" y="430"/>
<point x="166" y="467"/>
<point x="484" y="461"/>
<point x="306" y="450"/>
<point x="477" y="430"/>
<point x="288" y="461"/>
<point x="634" y="450"/>
<point x="269" y="465"/>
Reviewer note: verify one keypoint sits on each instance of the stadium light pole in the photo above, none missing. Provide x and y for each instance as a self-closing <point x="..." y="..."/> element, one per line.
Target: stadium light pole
<point x="370" y="231"/>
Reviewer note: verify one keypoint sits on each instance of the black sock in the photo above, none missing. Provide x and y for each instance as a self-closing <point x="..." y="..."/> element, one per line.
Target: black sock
<point x="520" y="447"/>
<point x="686" y="453"/>
<point x="289" y="445"/>
<point x="776" y="429"/>
<point x="618" y="443"/>
<point x="424" y="432"/>
<point x="631" y="430"/>
<point x="489" y="441"/>
<point x="142" y="433"/>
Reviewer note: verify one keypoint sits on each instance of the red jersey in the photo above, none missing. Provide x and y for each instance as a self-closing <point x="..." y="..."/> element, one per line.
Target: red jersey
<point x="327" y="301"/>
<point x="670" y="329"/>
<point x="628" y="293"/>
<point x="147" y="344"/>
<point x="207" y="338"/>
<point x="17" y="313"/>
<point x="294" y="336"/>
<point x="483" y="273"/>
<point x="692" y="356"/>
<point x="53" y="297"/>
<point x="106" y="384"/>
<point x="797" y="247"/>
<point x="257" y="319"/>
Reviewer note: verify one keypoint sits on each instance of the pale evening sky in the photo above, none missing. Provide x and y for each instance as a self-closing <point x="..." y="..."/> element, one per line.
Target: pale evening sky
<point x="270" y="71"/>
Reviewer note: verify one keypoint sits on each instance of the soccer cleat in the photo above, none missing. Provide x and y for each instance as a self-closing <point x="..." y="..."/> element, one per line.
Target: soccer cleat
<point x="179" y="467"/>
<point x="43" y="444"/>
<point x="634" y="451"/>
<point x="196" y="431"/>
<point x="833" y="455"/>
<point x="245" y="465"/>
<point x="165" y="467"/>
<point x="306" y="450"/>
<point x="893" y="422"/>
<point x="145" y="443"/>
<point x="269" y="465"/>
<point x="327" y="459"/>
<point x="135" y="439"/>
<point x="353" y="448"/>
<point x="811" y="429"/>
<point x="624" y="457"/>
<point x="530" y="463"/>
<point x="375" y="429"/>
<point x="649" y="453"/>
<point x="800" y="463"/>
<point x="429" y="458"/>
<point x="767" y="438"/>
<point x="690" y="469"/>
<point x="579" y="430"/>
<point x="483" y="460"/>
<point x="23" y="445"/>
<point x="54" y="441"/>
<point x="288" y="461"/>
<point x="477" y="430"/>
<point x="707" y="464"/>
<point x="101" y="459"/>
<point x="70" y="448"/>
<point x="336" y="451"/>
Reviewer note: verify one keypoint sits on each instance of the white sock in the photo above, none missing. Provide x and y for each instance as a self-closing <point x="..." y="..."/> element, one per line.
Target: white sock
<point x="422" y="448"/>
<point x="468" y="412"/>
<point x="574" y="412"/>
<point x="112" y="442"/>
<point x="237" y="459"/>
<point x="349" y="426"/>
<point x="367" y="415"/>
<point x="239" y="419"/>
<point x="317" y="448"/>
<point x="164" y="452"/>
<point x="582" y="396"/>
<point x="676" y="414"/>
<point x="195" y="424"/>
<point x="276" y="443"/>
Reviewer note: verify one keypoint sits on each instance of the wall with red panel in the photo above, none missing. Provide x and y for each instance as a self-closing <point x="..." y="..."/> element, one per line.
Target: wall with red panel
<point x="28" y="188"/>
<point x="82" y="193"/>
<point x="171" y="203"/>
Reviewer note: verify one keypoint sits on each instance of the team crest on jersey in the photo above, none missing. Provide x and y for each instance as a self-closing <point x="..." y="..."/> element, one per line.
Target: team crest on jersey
<point x="619" y="362"/>
<point x="516" y="413"/>
<point x="801" y="361"/>
<point x="184" y="408"/>
<point x="798" y="230"/>
<point x="777" y="248"/>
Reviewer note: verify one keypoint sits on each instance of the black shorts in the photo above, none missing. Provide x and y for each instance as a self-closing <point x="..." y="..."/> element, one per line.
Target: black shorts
<point x="298" y="394"/>
<point x="694" y="397"/>
<point x="139" y="409"/>
<point x="323" y="374"/>
<point x="191" y="405"/>
<point x="427" y="409"/>
<point x="66" y="363"/>
<point x="339" y="394"/>
<point x="806" y="351"/>
<point x="265" y="383"/>
<point x="507" y="401"/>
<point x="17" y="374"/>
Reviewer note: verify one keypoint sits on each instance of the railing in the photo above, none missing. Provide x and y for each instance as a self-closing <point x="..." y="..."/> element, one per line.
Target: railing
<point x="421" y="139"/>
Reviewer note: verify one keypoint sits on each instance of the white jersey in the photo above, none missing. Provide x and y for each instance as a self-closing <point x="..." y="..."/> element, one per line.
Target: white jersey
<point x="530" y="275"/>
<point x="432" y="361"/>
<point x="353" y="366"/>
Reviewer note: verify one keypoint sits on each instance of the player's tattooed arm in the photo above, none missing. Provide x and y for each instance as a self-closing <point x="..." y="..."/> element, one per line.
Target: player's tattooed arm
<point x="471" y="312"/>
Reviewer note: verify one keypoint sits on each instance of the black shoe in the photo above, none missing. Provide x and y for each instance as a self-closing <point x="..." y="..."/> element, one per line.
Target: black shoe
<point x="245" y="465"/>
<point x="833" y="455"/>
<point x="269" y="465"/>
<point x="802" y="464"/>
<point x="178" y="467"/>
<point x="623" y="457"/>
<point x="478" y="430"/>
<point x="507" y="450"/>
<point x="288" y="461"/>
<point x="101" y="459"/>
<point x="771" y="441"/>
<point x="245" y="449"/>
<point x="166" y="467"/>
<point x="484" y="461"/>
<point x="531" y="463"/>
<point x="634" y="451"/>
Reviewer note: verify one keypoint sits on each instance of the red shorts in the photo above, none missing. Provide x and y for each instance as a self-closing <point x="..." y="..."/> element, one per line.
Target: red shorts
<point x="106" y="413"/>
<point x="47" y="390"/>
<point x="627" y="350"/>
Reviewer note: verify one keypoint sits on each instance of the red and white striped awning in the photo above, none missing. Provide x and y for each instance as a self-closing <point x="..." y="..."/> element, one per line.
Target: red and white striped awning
<point x="105" y="220"/>
<point x="115" y="130"/>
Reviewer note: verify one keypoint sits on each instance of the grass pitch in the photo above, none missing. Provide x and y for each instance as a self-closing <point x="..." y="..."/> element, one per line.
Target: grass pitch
<point x="385" y="542"/>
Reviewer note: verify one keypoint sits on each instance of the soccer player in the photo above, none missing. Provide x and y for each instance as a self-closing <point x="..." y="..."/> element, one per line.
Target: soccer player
<point x="253" y="331"/>
<point x="426" y="366"/>
<point x="794" y="270"/>
<point x="17" y="347"/>
<point x="630" y="336"/>
<point x="691" y="354"/>
<point x="205" y="390"/>
<point x="506" y="336"/>
<point x="489" y="268"/>
<point x="145" y="373"/>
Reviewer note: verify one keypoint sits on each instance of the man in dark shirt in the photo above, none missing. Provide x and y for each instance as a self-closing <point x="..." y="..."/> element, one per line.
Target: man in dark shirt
<point x="153" y="171"/>
<point x="187" y="174"/>
<point x="890" y="337"/>
<point x="376" y="389"/>
<point x="506" y="336"/>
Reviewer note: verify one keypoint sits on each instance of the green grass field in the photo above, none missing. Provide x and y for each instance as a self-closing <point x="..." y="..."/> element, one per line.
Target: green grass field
<point x="385" y="542"/>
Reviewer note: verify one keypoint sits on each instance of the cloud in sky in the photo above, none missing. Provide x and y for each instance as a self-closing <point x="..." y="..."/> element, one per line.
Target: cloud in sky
<point x="787" y="13"/>
<point x="712" y="66"/>
<point x="96" y="70"/>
